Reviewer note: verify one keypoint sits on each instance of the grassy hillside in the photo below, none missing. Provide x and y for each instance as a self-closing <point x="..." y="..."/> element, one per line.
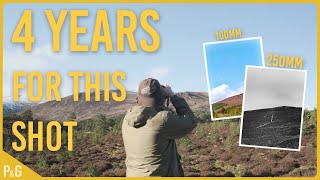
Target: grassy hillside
<point x="228" y="107"/>
<point x="220" y="110"/>
<point x="210" y="150"/>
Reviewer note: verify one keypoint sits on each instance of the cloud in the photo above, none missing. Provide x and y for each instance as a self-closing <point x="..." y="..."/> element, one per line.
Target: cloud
<point x="159" y="72"/>
<point x="223" y="91"/>
<point x="42" y="59"/>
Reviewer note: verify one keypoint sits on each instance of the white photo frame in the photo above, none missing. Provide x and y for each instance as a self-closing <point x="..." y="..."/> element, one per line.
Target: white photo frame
<point x="207" y="70"/>
<point x="243" y="108"/>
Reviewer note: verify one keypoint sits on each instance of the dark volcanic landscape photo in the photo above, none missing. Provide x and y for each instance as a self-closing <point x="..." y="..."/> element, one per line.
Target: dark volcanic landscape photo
<point x="272" y="108"/>
<point x="273" y="127"/>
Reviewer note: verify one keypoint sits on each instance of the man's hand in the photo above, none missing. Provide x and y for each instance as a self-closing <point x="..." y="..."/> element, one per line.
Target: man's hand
<point x="167" y="91"/>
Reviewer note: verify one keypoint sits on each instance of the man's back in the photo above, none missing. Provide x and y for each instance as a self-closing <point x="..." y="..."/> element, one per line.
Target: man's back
<point x="149" y="136"/>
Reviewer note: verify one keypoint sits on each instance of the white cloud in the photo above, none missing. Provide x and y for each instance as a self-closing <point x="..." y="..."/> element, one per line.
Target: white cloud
<point x="159" y="72"/>
<point x="223" y="91"/>
<point x="42" y="59"/>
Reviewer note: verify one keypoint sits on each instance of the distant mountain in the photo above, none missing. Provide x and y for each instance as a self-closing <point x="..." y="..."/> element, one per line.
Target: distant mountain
<point x="233" y="100"/>
<point x="10" y="106"/>
<point x="59" y="111"/>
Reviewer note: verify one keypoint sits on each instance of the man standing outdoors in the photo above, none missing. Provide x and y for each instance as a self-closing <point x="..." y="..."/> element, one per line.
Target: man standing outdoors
<point x="149" y="131"/>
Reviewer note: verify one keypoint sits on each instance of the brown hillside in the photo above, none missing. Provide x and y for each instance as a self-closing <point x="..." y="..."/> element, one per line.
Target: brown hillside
<point x="59" y="111"/>
<point x="233" y="100"/>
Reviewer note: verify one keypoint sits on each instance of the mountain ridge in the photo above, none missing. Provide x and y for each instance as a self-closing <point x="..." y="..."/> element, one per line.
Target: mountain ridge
<point x="10" y="106"/>
<point x="277" y="108"/>
<point x="59" y="111"/>
<point x="232" y="100"/>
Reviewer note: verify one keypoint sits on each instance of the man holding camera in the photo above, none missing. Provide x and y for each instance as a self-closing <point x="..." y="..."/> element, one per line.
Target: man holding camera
<point x="149" y="131"/>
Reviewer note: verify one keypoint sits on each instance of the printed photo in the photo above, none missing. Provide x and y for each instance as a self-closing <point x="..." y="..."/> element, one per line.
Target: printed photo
<point x="225" y="66"/>
<point x="272" y="109"/>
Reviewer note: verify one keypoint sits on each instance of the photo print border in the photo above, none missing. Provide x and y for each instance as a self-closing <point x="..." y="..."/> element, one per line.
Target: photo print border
<point x="302" y="106"/>
<point x="207" y="70"/>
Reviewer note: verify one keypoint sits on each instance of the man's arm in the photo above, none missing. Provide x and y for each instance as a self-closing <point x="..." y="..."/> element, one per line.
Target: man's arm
<point x="180" y="124"/>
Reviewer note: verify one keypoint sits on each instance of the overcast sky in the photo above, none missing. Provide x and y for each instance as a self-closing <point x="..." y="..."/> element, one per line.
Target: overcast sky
<point x="290" y="29"/>
<point x="269" y="87"/>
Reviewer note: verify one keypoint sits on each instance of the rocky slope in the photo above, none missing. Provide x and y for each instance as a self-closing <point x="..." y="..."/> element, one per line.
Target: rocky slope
<point x="10" y="106"/>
